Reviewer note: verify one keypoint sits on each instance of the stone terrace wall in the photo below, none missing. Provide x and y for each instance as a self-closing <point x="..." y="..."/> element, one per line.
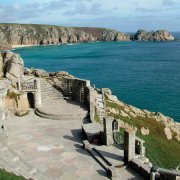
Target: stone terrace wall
<point x="4" y="84"/>
<point x="92" y="104"/>
<point x="73" y="87"/>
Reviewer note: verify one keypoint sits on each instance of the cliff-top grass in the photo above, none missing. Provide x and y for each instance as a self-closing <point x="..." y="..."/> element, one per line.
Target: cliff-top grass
<point x="159" y="150"/>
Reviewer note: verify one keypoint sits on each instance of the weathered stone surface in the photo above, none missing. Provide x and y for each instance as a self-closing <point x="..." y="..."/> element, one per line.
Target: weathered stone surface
<point x="168" y="133"/>
<point x="122" y="37"/>
<point x="63" y="74"/>
<point x="73" y="39"/>
<point x="40" y="73"/>
<point x="28" y="71"/>
<point x="107" y="91"/>
<point x="1" y="66"/>
<point x="144" y="131"/>
<point x="13" y="66"/>
<point x="160" y="35"/>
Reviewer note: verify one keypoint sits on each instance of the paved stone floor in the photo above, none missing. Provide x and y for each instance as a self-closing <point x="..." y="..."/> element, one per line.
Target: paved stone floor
<point x="54" y="148"/>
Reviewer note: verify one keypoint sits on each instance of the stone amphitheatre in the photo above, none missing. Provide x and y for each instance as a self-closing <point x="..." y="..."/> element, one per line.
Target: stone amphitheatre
<point x="56" y="126"/>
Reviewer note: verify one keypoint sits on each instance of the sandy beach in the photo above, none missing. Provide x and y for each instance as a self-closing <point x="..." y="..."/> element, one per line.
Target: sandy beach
<point x="20" y="46"/>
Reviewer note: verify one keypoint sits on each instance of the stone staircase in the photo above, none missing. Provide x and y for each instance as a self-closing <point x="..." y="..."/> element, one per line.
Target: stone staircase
<point x="12" y="163"/>
<point x="57" y="107"/>
<point x="48" y="92"/>
<point x="100" y="107"/>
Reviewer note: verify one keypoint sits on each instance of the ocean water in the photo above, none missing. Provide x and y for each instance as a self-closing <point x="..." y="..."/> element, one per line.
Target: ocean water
<point x="144" y="74"/>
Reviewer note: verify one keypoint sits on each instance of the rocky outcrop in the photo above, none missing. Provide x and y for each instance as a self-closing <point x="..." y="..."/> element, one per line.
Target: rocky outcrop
<point x="115" y="36"/>
<point x="144" y="131"/>
<point x="11" y="66"/>
<point x="160" y="35"/>
<point x="21" y="34"/>
<point x="40" y="73"/>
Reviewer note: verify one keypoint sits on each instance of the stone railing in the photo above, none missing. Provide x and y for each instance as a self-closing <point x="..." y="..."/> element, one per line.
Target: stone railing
<point x="164" y="174"/>
<point x="92" y="104"/>
<point x="28" y="86"/>
<point x="139" y="146"/>
<point x="76" y="88"/>
<point x="82" y="91"/>
<point x="4" y="85"/>
<point x="104" y="101"/>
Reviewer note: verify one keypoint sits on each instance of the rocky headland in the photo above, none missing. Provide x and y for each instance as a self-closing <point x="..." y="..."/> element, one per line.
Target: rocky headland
<point x="159" y="35"/>
<point x="12" y="35"/>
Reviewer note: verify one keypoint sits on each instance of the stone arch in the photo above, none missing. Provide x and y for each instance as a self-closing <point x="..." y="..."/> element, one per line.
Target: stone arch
<point x="115" y="130"/>
<point x="30" y="97"/>
<point x="115" y="126"/>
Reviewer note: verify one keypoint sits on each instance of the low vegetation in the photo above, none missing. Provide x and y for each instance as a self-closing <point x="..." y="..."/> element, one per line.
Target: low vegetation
<point x="162" y="152"/>
<point x="4" y="175"/>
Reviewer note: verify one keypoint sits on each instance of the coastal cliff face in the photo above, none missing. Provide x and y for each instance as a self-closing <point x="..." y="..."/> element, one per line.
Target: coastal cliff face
<point x="16" y="34"/>
<point x="21" y="34"/>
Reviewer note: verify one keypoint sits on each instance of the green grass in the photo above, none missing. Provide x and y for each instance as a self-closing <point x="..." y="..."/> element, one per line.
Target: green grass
<point x="4" y="175"/>
<point x="162" y="152"/>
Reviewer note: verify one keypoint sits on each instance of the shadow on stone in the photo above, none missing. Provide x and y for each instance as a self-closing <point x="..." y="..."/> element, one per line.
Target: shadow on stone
<point x="102" y="172"/>
<point x="111" y="155"/>
<point x="76" y="136"/>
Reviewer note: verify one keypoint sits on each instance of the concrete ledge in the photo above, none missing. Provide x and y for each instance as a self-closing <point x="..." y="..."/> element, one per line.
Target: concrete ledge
<point x="92" y="131"/>
<point x="140" y="167"/>
<point x="111" y="172"/>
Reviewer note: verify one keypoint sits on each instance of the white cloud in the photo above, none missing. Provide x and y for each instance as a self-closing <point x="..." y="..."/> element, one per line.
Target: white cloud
<point x="121" y="14"/>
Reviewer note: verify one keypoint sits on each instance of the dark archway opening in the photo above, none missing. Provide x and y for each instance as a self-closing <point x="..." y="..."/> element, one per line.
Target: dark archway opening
<point x="31" y="99"/>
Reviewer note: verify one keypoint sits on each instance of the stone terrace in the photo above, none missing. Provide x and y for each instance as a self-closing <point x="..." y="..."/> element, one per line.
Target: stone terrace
<point x="55" y="148"/>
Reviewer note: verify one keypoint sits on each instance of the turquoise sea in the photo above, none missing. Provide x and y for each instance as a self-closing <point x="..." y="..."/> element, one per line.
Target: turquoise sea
<point x="144" y="74"/>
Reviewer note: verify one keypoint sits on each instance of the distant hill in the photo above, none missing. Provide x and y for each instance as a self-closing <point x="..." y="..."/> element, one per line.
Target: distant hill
<point x="34" y="34"/>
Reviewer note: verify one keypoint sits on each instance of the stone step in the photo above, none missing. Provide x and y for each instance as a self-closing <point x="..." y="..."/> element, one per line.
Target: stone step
<point x="64" y="117"/>
<point x="57" y="94"/>
<point x="13" y="164"/>
<point x="52" y="94"/>
<point x="98" y="159"/>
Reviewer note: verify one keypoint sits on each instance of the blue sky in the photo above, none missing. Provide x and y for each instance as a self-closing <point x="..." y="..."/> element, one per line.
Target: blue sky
<point x="123" y="15"/>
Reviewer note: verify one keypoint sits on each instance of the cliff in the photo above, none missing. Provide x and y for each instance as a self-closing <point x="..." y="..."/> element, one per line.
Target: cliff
<point x="31" y="34"/>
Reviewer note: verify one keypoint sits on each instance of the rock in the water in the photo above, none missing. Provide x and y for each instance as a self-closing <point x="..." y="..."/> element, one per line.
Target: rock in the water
<point x="160" y="35"/>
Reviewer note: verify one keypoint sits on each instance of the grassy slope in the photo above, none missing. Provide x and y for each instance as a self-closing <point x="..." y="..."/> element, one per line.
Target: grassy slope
<point x="4" y="175"/>
<point x="160" y="151"/>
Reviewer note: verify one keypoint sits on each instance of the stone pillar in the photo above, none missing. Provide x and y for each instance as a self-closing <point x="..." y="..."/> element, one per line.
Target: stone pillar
<point x="37" y="95"/>
<point x="1" y="102"/>
<point x="108" y="133"/>
<point x="129" y="145"/>
<point x="3" y="127"/>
